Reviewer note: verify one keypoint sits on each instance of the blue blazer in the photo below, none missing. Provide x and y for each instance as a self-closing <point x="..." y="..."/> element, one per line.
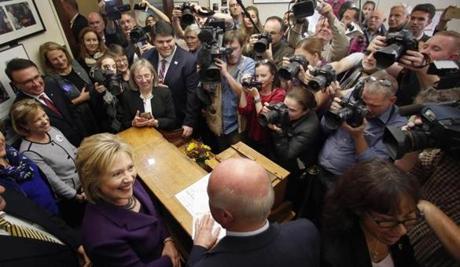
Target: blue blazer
<point x="114" y="236"/>
<point x="182" y="79"/>
<point x="293" y="244"/>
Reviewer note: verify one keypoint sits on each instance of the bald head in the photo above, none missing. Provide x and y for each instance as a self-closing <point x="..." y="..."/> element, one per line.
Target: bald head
<point x="242" y="188"/>
<point x="96" y="22"/>
<point x="376" y="19"/>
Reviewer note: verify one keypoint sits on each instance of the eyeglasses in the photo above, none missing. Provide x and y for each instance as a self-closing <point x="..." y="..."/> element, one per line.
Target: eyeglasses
<point x="385" y="83"/>
<point x="140" y="77"/>
<point x="31" y="80"/>
<point x="408" y="223"/>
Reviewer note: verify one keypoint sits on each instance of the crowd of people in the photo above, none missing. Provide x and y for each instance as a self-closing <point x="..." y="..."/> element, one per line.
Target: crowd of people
<point x="320" y="104"/>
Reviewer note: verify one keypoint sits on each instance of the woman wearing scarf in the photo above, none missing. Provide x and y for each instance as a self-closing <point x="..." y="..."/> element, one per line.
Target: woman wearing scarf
<point x="20" y="173"/>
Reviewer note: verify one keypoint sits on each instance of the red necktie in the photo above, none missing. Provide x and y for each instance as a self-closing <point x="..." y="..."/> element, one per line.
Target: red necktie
<point x="161" y="75"/>
<point x="50" y="104"/>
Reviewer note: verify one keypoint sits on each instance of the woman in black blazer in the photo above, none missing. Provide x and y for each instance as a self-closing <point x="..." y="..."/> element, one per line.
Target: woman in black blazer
<point x="147" y="104"/>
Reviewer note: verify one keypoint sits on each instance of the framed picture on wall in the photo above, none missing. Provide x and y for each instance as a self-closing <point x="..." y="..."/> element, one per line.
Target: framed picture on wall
<point x="19" y="19"/>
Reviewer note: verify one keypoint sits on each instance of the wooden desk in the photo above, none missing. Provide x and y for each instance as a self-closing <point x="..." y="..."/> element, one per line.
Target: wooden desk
<point x="164" y="169"/>
<point x="277" y="174"/>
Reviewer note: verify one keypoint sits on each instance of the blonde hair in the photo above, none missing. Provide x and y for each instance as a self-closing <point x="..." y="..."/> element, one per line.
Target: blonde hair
<point x="43" y="55"/>
<point x="141" y="63"/>
<point x="95" y="156"/>
<point x="21" y="112"/>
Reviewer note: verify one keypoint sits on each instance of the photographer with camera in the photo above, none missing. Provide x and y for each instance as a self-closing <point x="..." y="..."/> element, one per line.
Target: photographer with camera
<point x="432" y="155"/>
<point x="222" y="115"/>
<point x="411" y="70"/>
<point x="265" y="88"/>
<point x="296" y="137"/>
<point x="331" y="32"/>
<point x="270" y="44"/>
<point x="109" y="88"/>
<point x="358" y="121"/>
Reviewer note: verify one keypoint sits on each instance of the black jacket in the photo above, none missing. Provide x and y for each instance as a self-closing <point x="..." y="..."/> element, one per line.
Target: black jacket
<point x="162" y="107"/>
<point x="298" y="140"/>
<point x="67" y="123"/>
<point x="349" y="249"/>
<point x="182" y="79"/>
<point x="17" y="251"/>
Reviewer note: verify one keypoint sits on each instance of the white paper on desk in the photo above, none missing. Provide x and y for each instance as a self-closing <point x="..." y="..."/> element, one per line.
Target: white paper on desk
<point x="195" y="200"/>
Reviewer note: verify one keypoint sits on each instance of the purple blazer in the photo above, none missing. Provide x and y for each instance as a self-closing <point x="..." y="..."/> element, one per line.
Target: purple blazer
<point x="113" y="236"/>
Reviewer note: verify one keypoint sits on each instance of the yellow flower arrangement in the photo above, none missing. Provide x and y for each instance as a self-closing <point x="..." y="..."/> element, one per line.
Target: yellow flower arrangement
<point x="198" y="151"/>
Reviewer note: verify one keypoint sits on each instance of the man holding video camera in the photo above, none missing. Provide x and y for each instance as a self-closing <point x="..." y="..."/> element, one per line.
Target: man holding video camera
<point x="349" y="145"/>
<point x="222" y="115"/>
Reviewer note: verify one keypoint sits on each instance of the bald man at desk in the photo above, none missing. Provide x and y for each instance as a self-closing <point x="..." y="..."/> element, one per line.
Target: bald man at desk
<point x="240" y="199"/>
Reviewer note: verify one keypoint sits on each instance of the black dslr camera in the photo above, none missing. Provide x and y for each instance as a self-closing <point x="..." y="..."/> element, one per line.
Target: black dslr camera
<point x="290" y="71"/>
<point x="264" y="40"/>
<point x="353" y="111"/>
<point x="113" y="10"/>
<point x="187" y="13"/>
<point x="397" y="45"/>
<point x="304" y="8"/>
<point x="111" y="80"/>
<point x="440" y="129"/>
<point x="324" y="76"/>
<point x="138" y="36"/>
<point x="250" y="81"/>
<point x="278" y="115"/>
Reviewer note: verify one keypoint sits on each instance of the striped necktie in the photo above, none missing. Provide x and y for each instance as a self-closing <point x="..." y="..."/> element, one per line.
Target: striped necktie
<point x="161" y="75"/>
<point x="24" y="232"/>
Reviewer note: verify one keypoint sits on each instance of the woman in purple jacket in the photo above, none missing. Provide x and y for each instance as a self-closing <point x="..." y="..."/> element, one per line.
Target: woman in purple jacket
<point x="121" y="226"/>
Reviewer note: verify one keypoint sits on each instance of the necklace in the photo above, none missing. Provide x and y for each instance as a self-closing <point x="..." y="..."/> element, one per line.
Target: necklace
<point x="131" y="203"/>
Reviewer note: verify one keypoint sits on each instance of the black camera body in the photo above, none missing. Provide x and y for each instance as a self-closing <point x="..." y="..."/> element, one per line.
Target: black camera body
<point x="113" y="11"/>
<point x="250" y="82"/>
<point x="290" y="71"/>
<point x="304" y="8"/>
<point x="138" y="36"/>
<point x="112" y="81"/>
<point x="212" y="72"/>
<point x="264" y="40"/>
<point x="352" y="112"/>
<point x="323" y="77"/>
<point x="187" y="13"/>
<point x="397" y="45"/>
<point x="278" y="115"/>
<point x="440" y="129"/>
<point x="448" y="70"/>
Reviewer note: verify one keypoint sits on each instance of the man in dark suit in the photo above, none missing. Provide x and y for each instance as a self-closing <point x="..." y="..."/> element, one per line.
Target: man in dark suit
<point x="76" y="20"/>
<point x="177" y="69"/>
<point x="241" y="203"/>
<point x="25" y="76"/>
<point x="21" y="251"/>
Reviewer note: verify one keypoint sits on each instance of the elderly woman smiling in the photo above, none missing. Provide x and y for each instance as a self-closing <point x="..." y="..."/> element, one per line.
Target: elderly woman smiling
<point x="121" y="226"/>
<point x="148" y="104"/>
